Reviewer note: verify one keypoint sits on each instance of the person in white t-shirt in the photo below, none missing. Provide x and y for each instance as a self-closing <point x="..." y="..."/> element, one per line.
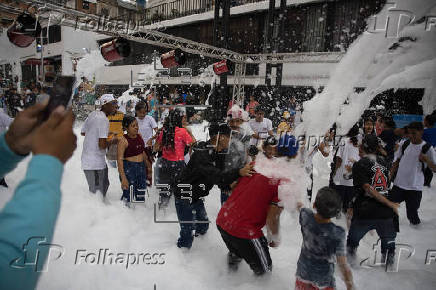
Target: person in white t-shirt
<point x="347" y="155"/>
<point x="96" y="130"/>
<point x="410" y="161"/>
<point x="147" y="124"/>
<point x="147" y="128"/>
<point x="261" y="126"/>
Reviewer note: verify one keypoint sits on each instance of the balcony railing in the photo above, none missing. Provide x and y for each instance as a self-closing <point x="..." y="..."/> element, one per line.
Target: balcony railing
<point x="179" y="8"/>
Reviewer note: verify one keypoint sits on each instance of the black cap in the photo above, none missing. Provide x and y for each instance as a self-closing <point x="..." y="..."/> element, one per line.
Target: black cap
<point x="222" y="129"/>
<point x="271" y="140"/>
<point x="258" y="109"/>
<point x="370" y="143"/>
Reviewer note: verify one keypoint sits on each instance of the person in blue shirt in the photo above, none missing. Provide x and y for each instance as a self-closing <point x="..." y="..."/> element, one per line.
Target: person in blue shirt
<point x="429" y="136"/>
<point x="323" y="245"/>
<point x="33" y="209"/>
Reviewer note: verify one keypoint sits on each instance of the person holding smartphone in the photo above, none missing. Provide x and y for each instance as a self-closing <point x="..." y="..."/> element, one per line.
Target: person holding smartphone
<point x="34" y="207"/>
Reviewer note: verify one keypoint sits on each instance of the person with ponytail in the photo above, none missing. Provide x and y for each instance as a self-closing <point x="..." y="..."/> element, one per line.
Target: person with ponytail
<point x="133" y="163"/>
<point x="172" y="141"/>
<point x="347" y="155"/>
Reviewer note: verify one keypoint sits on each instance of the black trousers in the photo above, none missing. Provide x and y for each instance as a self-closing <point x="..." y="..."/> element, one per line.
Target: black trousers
<point x="385" y="229"/>
<point x="255" y="252"/>
<point x="412" y="199"/>
<point x="347" y="194"/>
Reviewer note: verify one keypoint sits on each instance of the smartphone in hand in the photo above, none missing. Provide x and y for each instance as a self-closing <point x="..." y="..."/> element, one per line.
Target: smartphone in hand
<point x="60" y="95"/>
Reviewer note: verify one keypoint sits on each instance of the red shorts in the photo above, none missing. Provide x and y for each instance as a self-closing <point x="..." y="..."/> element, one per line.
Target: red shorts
<point x="305" y="285"/>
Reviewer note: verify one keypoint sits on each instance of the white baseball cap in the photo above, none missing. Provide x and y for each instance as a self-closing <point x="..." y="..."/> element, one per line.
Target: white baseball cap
<point x="106" y="98"/>
<point x="235" y="112"/>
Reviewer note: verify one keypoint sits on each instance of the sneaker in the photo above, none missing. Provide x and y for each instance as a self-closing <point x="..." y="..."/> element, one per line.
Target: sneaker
<point x="163" y="202"/>
<point x="199" y="233"/>
<point x="390" y="262"/>
<point x="126" y="202"/>
<point x="184" y="248"/>
<point x="415" y="226"/>
<point x="233" y="261"/>
<point x="352" y="257"/>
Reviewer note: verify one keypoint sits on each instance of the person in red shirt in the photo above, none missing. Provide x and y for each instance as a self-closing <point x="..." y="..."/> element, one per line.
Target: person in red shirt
<point x="172" y="141"/>
<point x="251" y="106"/>
<point x="254" y="203"/>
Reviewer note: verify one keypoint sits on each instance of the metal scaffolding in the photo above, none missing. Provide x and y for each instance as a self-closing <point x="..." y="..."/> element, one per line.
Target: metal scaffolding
<point x="88" y="22"/>
<point x="238" y="84"/>
<point x="58" y="14"/>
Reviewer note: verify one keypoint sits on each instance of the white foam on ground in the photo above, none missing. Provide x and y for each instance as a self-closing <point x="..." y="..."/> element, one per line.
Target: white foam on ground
<point x="86" y="223"/>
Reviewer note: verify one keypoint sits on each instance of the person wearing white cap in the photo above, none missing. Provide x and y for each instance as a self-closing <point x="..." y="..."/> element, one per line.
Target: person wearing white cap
<point x="96" y="130"/>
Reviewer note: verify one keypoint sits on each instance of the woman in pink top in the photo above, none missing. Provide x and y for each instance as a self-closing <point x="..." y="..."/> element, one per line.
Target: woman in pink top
<point x="172" y="141"/>
<point x="251" y="105"/>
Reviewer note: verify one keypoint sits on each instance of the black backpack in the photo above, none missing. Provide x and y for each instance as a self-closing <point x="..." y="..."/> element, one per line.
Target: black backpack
<point x="424" y="150"/>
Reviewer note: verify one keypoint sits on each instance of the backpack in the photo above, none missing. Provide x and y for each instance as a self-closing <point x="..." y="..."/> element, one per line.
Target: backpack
<point x="424" y="150"/>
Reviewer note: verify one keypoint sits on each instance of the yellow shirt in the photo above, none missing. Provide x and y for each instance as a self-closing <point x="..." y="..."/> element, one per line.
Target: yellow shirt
<point x="283" y="128"/>
<point x="116" y="125"/>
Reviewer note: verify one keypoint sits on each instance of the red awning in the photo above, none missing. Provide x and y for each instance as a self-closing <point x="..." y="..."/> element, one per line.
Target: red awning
<point x="36" y="61"/>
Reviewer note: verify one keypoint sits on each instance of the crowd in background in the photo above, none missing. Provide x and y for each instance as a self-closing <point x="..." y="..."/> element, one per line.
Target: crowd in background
<point x="375" y="167"/>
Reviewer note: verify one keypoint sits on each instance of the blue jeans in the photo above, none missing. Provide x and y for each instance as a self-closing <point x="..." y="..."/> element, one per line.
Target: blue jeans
<point x="169" y="171"/>
<point x="136" y="175"/>
<point x="385" y="230"/>
<point x="188" y="213"/>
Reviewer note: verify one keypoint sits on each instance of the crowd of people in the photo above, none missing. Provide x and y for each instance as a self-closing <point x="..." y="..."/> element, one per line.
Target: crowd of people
<point x="375" y="167"/>
<point x="13" y="102"/>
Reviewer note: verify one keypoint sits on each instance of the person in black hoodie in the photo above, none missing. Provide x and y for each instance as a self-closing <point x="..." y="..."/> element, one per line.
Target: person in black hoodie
<point x="198" y="178"/>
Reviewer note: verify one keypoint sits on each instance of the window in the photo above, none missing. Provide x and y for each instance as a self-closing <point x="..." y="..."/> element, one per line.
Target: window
<point x="104" y="12"/>
<point x="85" y="5"/>
<point x="54" y="35"/>
<point x="315" y="28"/>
